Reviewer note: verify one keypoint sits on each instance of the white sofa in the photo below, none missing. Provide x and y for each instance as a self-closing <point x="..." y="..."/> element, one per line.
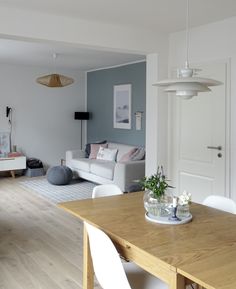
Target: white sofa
<point x="123" y="174"/>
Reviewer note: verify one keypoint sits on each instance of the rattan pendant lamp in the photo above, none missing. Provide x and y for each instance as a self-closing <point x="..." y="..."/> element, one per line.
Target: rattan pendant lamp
<point x="187" y="85"/>
<point x="55" y="79"/>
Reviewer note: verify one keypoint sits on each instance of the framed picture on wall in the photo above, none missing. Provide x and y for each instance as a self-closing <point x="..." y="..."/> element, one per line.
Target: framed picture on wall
<point x="122" y="106"/>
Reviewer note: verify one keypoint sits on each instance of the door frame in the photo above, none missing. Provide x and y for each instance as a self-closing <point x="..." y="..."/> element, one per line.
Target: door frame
<point x="171" y="107"/>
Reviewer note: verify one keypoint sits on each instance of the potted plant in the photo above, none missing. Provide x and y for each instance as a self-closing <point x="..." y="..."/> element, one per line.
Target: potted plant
<point x="156" y="200"/>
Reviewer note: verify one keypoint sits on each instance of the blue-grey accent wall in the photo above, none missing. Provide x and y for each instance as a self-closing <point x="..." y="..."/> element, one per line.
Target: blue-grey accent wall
<point x="100" y="103"/>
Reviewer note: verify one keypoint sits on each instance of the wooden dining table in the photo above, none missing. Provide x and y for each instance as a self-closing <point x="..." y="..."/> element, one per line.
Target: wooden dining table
<point x="203" y="250"/>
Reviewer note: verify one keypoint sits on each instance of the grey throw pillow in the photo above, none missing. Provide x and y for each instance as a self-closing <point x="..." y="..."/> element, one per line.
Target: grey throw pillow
<point x="138" y="155"/>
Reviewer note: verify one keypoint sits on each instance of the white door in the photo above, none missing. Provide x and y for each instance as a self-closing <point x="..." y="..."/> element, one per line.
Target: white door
<point x="199" y="138"/>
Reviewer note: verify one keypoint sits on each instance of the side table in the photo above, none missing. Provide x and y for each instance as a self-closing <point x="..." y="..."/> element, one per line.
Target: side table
<point x="12" y="164"/>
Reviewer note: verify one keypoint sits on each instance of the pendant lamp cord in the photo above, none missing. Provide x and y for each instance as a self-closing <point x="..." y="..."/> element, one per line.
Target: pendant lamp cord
<point x="187" y="35"/>
<point x="54" y="57"/>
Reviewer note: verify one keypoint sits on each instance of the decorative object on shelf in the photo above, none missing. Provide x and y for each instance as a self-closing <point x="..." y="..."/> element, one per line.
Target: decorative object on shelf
<point x="15" y="154"/>
<point x="184" y="201"/>
<point x="186" y="85"/>
<point x="4" y="144"/>
<point x="55" y="79"/>
<point x="81" y="115"/>
<point x="122" y="106"/>
<point x="156" y="200"/>
<point x="14" y="148"/>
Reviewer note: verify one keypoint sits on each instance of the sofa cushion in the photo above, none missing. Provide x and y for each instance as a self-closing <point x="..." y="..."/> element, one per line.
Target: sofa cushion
<point x="128" y="156"/>
<point x="95" y="148"/>
<point x="122" y="149"/>
<point x="88" y="147"/>
<point x="103" y="168"/>
<point x="138" y="155"/>
<point x="107" y="154"/>
<point x="81" y="164"/>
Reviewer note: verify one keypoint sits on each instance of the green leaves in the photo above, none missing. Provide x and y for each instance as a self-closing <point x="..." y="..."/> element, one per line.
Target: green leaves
<point x="156" y="183"/>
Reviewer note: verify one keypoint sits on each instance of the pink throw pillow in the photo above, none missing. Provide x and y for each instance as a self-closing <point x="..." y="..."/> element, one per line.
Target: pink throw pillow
<point x="95" y="148"/>
<point x="127" y="156"/>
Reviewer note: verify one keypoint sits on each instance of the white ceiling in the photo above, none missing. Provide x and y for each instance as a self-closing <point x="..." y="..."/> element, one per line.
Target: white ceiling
<point x="158" y="15"/>
<point x="41" y="54"/>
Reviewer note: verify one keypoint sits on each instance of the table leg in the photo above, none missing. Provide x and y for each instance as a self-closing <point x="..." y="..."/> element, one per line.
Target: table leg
<point x="88" y="273"/>
<point x="177" y="281"/>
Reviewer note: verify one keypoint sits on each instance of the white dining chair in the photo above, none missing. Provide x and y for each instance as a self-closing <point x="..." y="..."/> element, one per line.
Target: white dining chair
<point x="221" y="203"/>
<point x="111" y="273"/>
<point x="106" y="190"/>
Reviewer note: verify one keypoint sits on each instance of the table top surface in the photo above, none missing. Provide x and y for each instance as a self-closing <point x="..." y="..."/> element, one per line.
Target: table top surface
<point x="203" y="250"/>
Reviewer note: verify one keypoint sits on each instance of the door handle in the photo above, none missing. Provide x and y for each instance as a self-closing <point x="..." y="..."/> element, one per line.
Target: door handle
<point x="219" y="148"/>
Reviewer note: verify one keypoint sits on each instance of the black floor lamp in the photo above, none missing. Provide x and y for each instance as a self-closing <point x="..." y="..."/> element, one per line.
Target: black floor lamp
<point x="81" y="115"/>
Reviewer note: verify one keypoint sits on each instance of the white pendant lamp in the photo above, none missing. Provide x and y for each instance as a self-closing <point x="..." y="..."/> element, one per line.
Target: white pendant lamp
<point x="55" y="79"/>
<point x="186" y="85"/>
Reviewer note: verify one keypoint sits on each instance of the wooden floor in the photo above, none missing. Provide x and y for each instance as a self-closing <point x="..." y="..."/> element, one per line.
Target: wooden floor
<point x="40" y="244"/>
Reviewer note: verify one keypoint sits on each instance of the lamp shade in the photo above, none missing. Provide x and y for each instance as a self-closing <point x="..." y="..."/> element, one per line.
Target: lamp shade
<point x="55" y="80"/>
<point x="82" y="115"/>
<point x="187" y="86"/>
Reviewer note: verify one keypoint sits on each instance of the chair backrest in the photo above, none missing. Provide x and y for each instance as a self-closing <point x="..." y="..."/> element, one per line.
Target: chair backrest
<point x="221" y="203"/>
<point x="106" y="261"/>
<point x="106" y="190"/>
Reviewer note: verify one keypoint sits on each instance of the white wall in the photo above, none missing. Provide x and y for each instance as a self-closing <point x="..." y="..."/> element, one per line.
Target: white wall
<point x="156" y="114"/>
<point x="208" y="43"/>
<point x="43" y="124"/>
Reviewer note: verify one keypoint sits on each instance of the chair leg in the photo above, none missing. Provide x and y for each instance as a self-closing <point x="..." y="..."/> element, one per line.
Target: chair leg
<point x="199" y="286"/>
<point x="190" y="285"/>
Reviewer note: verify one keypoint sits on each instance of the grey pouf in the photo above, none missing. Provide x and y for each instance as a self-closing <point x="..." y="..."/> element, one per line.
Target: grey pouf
<point x="59" y="175"/>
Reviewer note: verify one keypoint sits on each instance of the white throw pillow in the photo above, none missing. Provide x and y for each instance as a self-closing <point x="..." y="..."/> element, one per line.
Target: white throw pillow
<point x="107" y="154"/>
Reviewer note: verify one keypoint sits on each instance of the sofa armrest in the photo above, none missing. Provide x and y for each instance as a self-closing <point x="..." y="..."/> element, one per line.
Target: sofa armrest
<point x="125" y="174"/>
<point x="73" y="154"/>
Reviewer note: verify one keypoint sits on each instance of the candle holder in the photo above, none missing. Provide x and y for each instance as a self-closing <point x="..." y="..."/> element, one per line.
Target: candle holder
<point x="173" y="217"/>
